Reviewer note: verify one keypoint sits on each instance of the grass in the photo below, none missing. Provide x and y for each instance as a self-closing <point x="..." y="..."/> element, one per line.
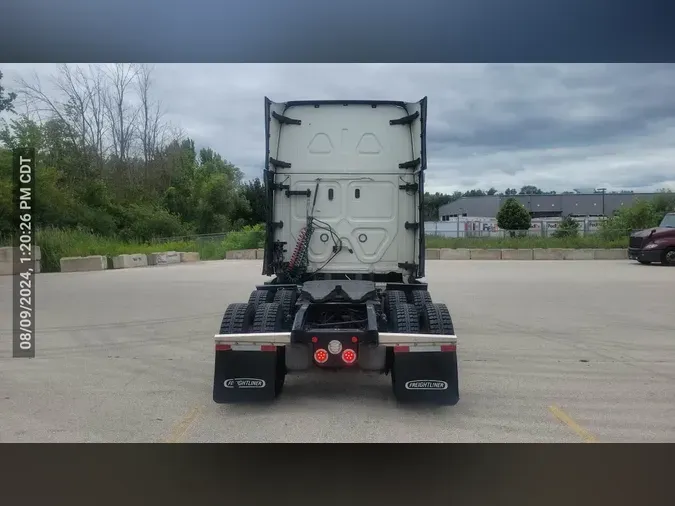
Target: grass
<point x="590" y="241"/>
<point x="56" y="244"/>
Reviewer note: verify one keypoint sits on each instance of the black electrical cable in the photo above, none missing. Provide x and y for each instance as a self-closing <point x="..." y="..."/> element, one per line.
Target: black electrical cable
<point x="336" y="240"/>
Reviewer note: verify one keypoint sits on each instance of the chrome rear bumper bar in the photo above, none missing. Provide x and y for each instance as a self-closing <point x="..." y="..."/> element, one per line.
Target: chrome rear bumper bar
<point x="385" y="339"/>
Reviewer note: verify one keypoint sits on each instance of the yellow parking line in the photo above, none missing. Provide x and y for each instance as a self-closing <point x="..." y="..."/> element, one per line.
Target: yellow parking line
<point x="183" y="425"/>
<point x="567" y="420"/>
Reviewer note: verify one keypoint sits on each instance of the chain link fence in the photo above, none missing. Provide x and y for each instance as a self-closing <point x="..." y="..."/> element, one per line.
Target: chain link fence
<point x="199" y="239"/>
<point x="488" y="228"/>
<point x="474" y="229"/>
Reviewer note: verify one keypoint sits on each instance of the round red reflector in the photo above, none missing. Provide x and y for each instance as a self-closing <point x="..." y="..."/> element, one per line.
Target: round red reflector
<point x="349" y="356"/>
<point x="355" y="339"/>
<point x="321" y="355"/>
<point x="315" y="339"/>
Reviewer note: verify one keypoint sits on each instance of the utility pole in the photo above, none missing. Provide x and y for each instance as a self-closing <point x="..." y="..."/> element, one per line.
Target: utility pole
<point x="603" y="190"/>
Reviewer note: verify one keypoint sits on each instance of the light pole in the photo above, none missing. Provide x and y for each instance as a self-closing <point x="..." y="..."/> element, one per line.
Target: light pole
<point x="603" y="190"/>
<point x="461" y="211"/>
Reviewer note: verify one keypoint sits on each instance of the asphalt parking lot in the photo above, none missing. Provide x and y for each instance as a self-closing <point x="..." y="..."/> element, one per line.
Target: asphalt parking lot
<point x="560" y="351"/>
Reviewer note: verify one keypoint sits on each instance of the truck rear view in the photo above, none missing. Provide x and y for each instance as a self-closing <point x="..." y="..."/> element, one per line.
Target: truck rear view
<point x="345" y="249"/>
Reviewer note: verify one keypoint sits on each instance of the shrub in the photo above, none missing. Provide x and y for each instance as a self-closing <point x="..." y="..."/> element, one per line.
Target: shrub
<point x="513" y="217"/>
<point x="249" y="237"/>
<point x="642" y="214"/>
<point x="568" y="227"/>
<point x="143" y="222"/>
<point x="663" y="204"/>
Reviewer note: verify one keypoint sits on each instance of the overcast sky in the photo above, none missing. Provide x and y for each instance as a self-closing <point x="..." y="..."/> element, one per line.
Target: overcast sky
<point x="558" y="127"/>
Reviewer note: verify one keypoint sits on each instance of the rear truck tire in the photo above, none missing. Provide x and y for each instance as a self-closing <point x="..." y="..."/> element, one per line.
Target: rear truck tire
<point x="436" y="319"/>
<point x="668" y="257"/>
<point x="269" y="317"/>
<point x="420" y="298"/>
<point x="286" y="299"/>
<point x="394" y="298"/>
<point x="237" y="319"/>
<point x="249" y="375"/>
<point x="428" y="376"/>
<point x="404" y="318"/>
<point x="258" y="297"/>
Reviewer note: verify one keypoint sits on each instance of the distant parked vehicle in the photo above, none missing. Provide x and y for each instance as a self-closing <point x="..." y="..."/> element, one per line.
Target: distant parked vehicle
<point x="654" y="245"/>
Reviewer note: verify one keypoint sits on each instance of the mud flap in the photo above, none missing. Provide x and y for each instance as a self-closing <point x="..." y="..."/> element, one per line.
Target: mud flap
<point x="429" y="377"/>
<point x="245" y="376"/>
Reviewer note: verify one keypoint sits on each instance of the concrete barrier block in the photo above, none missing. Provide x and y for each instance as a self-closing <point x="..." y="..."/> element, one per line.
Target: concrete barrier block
<point x="547" y="254"/>
<point x="172" y="257"/>
<point x="129" y="261"/>
<point x="82" y="264"/>
<point x="610" y="254"/>
<point x="163" y="258"/>
<point x="455" y="254"/>
<point x="260" y="254"/>
<point x="517" y="254"/>
<point x="7" y="253"/>
<point x="157" y="259"/>
<point x="242" y="254"/>
<point x="485" y="254"/>
<point x="189" y="256"/>
<point x="433" y="254"/>
<point x="578" y="254"/>
<point x="7" y="260"/>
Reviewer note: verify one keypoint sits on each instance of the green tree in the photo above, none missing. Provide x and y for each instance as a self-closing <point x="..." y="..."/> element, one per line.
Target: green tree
<point x="568" y="227"/>
<point x="513" y="217"/>
<point x="475" y="193"/>
<point x="663" y="203"/>
<point x="254" y="192"/>
<point x="21" y="132"/>
<point x="636" y="217"/>
<point x="432" y="202"/>
<point x="642" y="214"/>
<point x="6" y="208"/>
<point x="6" y="102"/>
<point x="530" y="190"/>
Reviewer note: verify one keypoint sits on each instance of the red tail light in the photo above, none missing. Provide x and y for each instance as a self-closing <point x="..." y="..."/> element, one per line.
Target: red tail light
<point x="321" y="356"/>
<point x="348" y="356"/>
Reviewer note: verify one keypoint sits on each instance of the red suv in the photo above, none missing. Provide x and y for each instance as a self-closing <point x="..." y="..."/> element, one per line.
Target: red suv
<point x="654" y="244"/>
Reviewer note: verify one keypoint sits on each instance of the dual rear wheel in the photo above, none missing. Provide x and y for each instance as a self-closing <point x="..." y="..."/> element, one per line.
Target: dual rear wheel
<point x="425" y="371"/>
<point x="265" y="311"/>
<point x="419" y="315"/>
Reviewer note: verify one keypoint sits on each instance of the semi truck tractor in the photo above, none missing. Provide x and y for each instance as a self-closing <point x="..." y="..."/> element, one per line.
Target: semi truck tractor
<point x="345" y="254"/>
<point x="654" y="245"/>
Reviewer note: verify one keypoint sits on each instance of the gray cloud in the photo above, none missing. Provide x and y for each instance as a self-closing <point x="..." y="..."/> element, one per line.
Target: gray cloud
<point x="554" y="126"/>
